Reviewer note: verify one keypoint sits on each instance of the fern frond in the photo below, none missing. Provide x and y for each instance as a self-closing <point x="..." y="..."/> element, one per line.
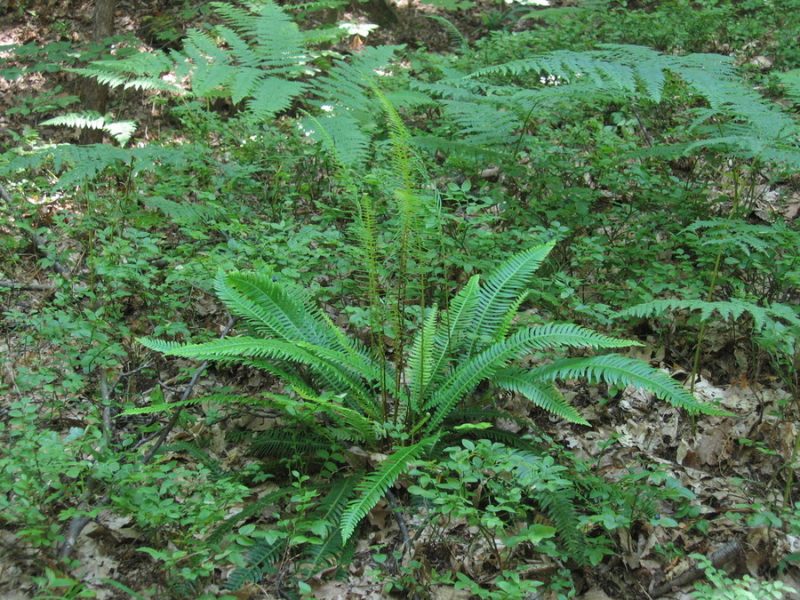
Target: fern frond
<point x="455" y="322"/>
<point x="373" y="487"/>
<point x="342" y="135"/>
<point x="272" y="95"/>
<point x="200" y="455"/>
<point x="559" y="505"/>
<point x="170" y="406"/>
<point x="421" y="358"/>
<point x="334" y="373"/>
<point x="483" y="365"/>
<point x="260" y="557"/>
<point x="623" y="371"/>
<point x="543" y="395"/>
<point x="330" y="511"/>
<point x="250" y="510"/>
<point x="453" y="32"/>
<point x="121" y="131"/>
<point x="280" y="442"/>
<point x="500" y="290"/>
<point x="279" y="310"/>
<point x="732" y="309"/>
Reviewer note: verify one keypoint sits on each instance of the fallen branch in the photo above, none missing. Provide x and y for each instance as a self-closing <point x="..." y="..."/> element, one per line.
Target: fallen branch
<point x="34" y="285"/>
<point x="78" y="523"/>
<point x="187" y="392"/>
<point x="718" y="558"/>
<point x="105" y="394"/>
<point x="41" y="246"/>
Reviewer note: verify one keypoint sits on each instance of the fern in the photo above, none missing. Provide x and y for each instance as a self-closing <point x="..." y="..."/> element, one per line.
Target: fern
<point x="277" y="442"/>
<point x="560" y="508"/>
<point x="731" y="309"/>
<point x="143" y="71"/>
<point x="373" y="487"/>
<point x="544" y="396"/>
<point x="330" y="511"/>
<point x="251" y="510"/>
<point x="121" y="131"/>
<point x="260" y="557"/>
<point x="501" y="290"/>
<point x="336" y="389"/>
<point x="491" y="104"/>
<point x="622" y="371"/>
<point x="421" y="358"/>
<point x="484" y="365"/>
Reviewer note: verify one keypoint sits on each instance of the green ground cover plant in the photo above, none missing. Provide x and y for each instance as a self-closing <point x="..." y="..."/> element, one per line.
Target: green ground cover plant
<point x="427" y="255"/>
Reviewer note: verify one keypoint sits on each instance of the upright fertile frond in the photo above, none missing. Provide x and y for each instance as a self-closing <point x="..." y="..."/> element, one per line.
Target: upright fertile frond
<point x="620" y="370"/>
<point x="402" y="151"/>
<point x="375" y="485"/>
<point x="466" y="377"/>
<point x="500" y="290"/>
<point x="543" y="395"/>
<point x="421" y="358"/>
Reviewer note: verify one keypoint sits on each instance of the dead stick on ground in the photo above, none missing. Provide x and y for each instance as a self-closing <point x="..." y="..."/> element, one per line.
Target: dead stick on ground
<point x="77" y="524"/>
<point x="718" y="558"/>
<point x="41" y="246"/>
<point x="105" y="393"/>
<point x="38" y="241"/>
<point x="185" y="396"/>
<point x="33" y="286"/>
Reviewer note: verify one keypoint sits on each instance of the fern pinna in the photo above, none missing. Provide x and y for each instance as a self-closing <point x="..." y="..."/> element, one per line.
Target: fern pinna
<point x="333" y="384"/>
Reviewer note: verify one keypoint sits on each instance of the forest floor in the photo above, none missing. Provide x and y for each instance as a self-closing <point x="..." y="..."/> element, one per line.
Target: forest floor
<point x="704" y="457"/>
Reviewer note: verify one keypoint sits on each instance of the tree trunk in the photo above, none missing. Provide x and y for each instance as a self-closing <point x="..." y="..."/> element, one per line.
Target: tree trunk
<point x="94" y="95"/>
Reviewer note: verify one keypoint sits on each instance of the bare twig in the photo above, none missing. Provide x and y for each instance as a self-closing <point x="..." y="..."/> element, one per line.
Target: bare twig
<point x="34" y="285"/>
<point x="718" y="558"/>
<point x="105" y="393"/>
<point x="41" y="246"/>
<point x="187" y="392"/>
<point x="78" y="523"/>
<point x="398" y="517"/>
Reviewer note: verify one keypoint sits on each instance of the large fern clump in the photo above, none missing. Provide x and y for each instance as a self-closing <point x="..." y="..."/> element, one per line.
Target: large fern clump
<point x="336" y="390"/>
<point x="492" y="106"/>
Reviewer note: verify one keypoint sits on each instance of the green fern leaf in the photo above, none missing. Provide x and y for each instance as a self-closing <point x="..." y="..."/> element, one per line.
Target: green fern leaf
<point x="374" y="486"/>
<point x="499" y="292"/>
<point x="482" y="366"/>
<point x="421" y="358"/>
<point x="543" y="395"/>
<point x="621" y="370"/>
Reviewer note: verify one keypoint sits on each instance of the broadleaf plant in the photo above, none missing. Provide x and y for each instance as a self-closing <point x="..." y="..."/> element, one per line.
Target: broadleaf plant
<point x="335" y="387"/>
